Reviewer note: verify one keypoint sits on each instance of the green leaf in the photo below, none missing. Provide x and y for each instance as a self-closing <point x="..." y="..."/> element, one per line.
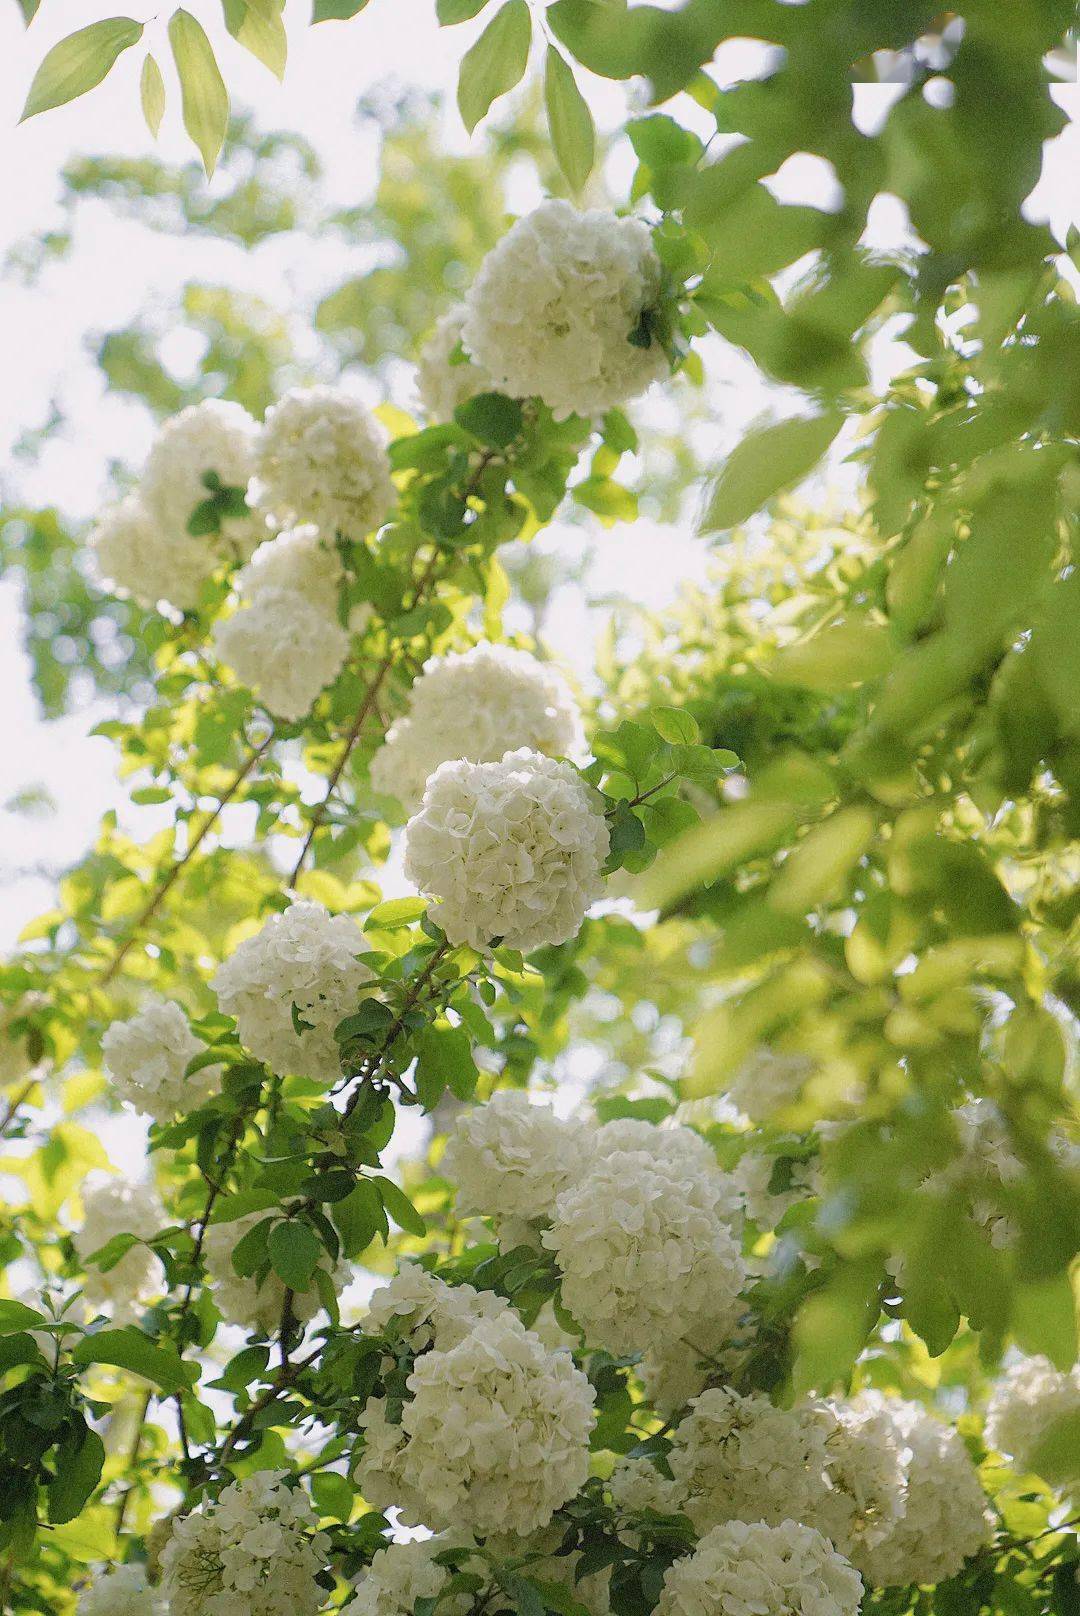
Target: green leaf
<point x="453" y="11"/>
<point x="130" y="1349"/>
<point x="676" y="725"/>
<point x="79" y="62"/>
<point x="152" y="95"/>
<point x="294" y="1253"/>
<point x="204" y="96"/>
<point x="1056" y="1454"/>
<point x="396" y="912"/>
<point x="445" y="1058"/>
<point x="29" y="9"/>
<point x="257" y="25"/>
<point x="765" y="463"/>
<point x="78" y="1470"/>
<point x="571" y="123"/>
<point x="495" y="63"/>
<point x="17" y="1316"/>
<point x="336" y="10"/>
<point x="492" y="418"/>
<point x="359" y="1218"/>
<point x="399" y="1206"/>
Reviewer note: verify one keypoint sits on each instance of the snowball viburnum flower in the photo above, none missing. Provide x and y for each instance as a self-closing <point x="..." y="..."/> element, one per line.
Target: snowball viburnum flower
<point x="555" y="304"/>
<point x="320" y="458"/>
<point x="424" y="1311"/>
<point x="752" y="1569"/>
<point x="255" y="1552"/>
<point x="511" y="1159"/>
<point x="114" y="1207"/>
<point x="147" y="1058"/>
<point x="476" y="705"/>
<point x="303" y="957"/>
<point x="442" y="384"/>
<point x="301" y="561"/>
<point x="768" y="1080"/>
<point x="284" y="648"/>
<point x="134" y="556"/>
<point x="944" y="1519"/>
<point x="215" y="440"/>
<point x="513" y="850"/>
<point x="244" y="1299"/>
<point x="1028" y="1399"/>
<point x="401" y="1574"/>
<point x="643" y="1251"/>
<point x="494" y="1436"/>
<point x="122" y="1591"/>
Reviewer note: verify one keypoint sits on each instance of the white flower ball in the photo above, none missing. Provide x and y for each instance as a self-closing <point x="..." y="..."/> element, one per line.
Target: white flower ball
<point x="147" y="1058"/>
<point x="744" y="1569"/>
<point x="255" y="1552"/>
<point x="643" y="1251"/>
<point x="494" y="1436"/>
<point x="753" y="1178"/>
<point x="441" y="385"/>
<point x="636" y="1485"/>
<point x="552" y="309"/>
<point x="300" y="560"/>
<point x="114" y="1207"/>
<point x="945" y="1518"/>
<point x="476" y="705"/>
<point x="135" y="556"/>
<point x="303" y="957"/>
<point x="865" y="1474"/>
<point x="401" y="1574"/>
<point x="1031" y="1396"/>
<point x="122" y="1591"/>
<point x="423" y="1310"/>
<point x="742" y="1458"/>
<point x="511" y="1159"/>
<point x="320" y="458"/>
<point x="678" y="1147"/>
<point x="767" y="1081"/>
<point x="244" y="1300"/>
<point x="284" y="648"/>
<point x="513" y="850"/>
<point x="212" y="437"/>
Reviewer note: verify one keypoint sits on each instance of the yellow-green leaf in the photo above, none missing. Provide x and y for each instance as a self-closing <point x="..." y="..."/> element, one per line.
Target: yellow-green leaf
<point x="766" y="462"/>
<point x="79" y="62"/>
<point x="495" y="63"/>
<point x="569" y="119"/>
<point x="205" y="98"/>
<point x="152" y="94"/>
<point x="258" y="26"/>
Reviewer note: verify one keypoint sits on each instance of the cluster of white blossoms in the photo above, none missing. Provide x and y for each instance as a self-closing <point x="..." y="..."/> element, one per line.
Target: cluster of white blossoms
<point x="512" y="850"/>
<point x="767" y="1081"/>
<point x="142" y="545"/>
<point x="636" y="1485"/>
<point x="494" y="1435"/>
<point x="283" y="648"/>
<point x="305" y="958"/>
<point x="244" y="1299"/>
<point x="555" y="303"/>
<point x="124" y="1591"/>
<point x="944" y="1519"/>
<point x="117" y="1206"/>
<point x="147" y="1059"/>
<point x="644" y="1251"/>
<point x="299" y="561"/>
<point x="510" y="1159"/>
<point x="255" y="1552"/>
<point x="320" y="458"/>
<point x="1029" y="1398"/>
<point x="441" y="383"/>
<point x="422" y="1310"/>
<point x="476" y="705"/>
<point x="404" y="1572"/>
<point x="745" y="1569"/>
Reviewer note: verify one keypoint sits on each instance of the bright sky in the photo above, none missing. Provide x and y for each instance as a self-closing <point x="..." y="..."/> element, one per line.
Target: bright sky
<point x="119" y="270"/>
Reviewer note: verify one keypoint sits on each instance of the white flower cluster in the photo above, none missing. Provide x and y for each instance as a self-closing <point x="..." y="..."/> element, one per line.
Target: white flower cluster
<point x="644" y="1251"/>
<point x="767" y="1081"/>
<point x="554" y="304"/>
<point x="476" y="705"/>
<point x="243" y="1299"/>
<point x="510" y="1159"/>
<point x="1030" y="1397"/>
<point x="636" y="1485"/>
<point x="511" y="850"/>
<point x="285" y="641"/>
<point x="944" y="1519"/>
<point x="493" y="1438"/>
<point x="320" y="457"/>
<point x="866" y="1476"/>
<point x="303" y="957"/>
<point x="401" y="1574"/>
<point x="119" y="1207"/>
<point x="123" y="1591"/>
<point x="142" y="545"/>
<point x="147" y="1058"/>
<point x="442" y="386"/>
<point x="743" y="1569"/>
<point x="424" y="1311"/>
<point x="255" y="1552"/>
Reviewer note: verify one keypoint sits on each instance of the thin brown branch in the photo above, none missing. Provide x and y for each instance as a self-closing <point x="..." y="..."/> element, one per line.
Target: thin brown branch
<point x="132" y="1460"/>
<point x="397" y="1026"/>
<point x="14" y="1104"/>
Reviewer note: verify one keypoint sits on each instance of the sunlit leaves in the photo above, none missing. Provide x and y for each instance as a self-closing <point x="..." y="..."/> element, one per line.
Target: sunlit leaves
<point x="569" y="120"/>
<point x="258" y="26"/>
<point x="80" y="62"/>
<point x="205" y="99"/>
<point x="152" y="94"/>
<point x="763" y="464"/>
<point x="495" y="63"/>
<point x="336" y="10"/>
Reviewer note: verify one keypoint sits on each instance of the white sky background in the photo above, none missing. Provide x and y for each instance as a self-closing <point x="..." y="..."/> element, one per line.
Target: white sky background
<point x="119" y="268"/>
